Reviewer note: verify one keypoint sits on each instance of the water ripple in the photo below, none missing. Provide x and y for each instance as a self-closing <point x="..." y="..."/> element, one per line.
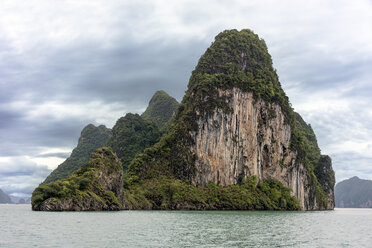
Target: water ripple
<point x="21" y="227"/>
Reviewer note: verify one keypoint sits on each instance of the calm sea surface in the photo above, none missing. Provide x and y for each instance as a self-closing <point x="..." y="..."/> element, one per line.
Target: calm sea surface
<point x="21" y="227"/>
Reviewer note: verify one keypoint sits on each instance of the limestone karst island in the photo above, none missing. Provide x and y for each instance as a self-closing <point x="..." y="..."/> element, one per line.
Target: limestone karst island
<point x="233" y="143"/>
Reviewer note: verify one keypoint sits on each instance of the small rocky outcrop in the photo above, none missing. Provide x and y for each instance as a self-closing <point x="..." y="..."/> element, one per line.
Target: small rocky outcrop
<point x="96" y="186"/>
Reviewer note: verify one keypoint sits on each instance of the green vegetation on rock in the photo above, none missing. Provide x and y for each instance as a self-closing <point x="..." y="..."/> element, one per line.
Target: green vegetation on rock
<point x="168" y="193"/>
<point x="235" y="59"/>
<point x="96" y="186"/>
<point x="91" y="138"/>
<point x="161" y="109"/>
<point x="131" y="135"/>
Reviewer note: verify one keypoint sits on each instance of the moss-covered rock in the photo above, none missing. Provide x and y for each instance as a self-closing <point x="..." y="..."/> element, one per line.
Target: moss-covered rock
<point x="96" y="186"/>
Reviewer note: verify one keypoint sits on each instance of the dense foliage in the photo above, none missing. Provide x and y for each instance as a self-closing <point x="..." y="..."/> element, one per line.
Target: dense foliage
<point x="91" y="138"/>
<point x="354" y="193"/>
<point x="308" y="138"/>
<point x="161" y="109"/>
<point x="4" y="198"/>
<point x="131" y="135"/>
<point x="168" y="193"/>
<point x="84" y="183"/>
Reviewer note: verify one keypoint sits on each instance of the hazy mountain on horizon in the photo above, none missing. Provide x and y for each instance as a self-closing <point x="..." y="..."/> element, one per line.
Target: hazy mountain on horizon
<point x="354" y="193"/>
<point x="4" y="198"/>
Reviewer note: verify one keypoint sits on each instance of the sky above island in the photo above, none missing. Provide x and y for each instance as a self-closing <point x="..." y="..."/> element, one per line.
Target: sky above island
<point x="65" y="64"/>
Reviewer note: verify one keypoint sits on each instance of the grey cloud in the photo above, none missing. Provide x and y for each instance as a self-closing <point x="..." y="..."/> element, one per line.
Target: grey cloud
<point x="18" y="166"/>
<point x="124" y="68"/>
<point x="84" y="73"/>
<point x="26" y="137"/>
<point x="20" y="175"/>
<point x="56" y="154"/>
<point x="317" y="74"/>
<point x="350" y="164"/>
<point x="334" y="127"/>
<point x="8" y="118"/>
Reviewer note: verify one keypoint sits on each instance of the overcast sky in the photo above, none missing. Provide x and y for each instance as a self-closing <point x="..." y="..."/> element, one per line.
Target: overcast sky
<point x="64" y="64"/>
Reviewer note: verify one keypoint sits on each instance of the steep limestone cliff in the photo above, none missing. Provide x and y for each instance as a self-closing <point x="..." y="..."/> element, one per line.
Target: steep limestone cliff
<point x="235" y="122"/>
<point x="252" y="139"/>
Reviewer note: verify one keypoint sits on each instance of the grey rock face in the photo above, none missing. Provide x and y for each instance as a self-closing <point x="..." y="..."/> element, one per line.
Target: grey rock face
<point x="252" y="139"/>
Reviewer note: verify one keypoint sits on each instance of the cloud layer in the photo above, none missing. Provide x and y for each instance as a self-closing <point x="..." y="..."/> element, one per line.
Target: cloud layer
<point x="64" y="64"/>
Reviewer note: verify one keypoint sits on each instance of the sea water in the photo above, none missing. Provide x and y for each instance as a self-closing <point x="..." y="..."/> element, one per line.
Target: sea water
<point x="21" y="227"/>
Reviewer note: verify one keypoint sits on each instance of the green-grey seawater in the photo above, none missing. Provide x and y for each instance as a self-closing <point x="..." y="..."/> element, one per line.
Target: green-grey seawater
<point x="21" y="227"/>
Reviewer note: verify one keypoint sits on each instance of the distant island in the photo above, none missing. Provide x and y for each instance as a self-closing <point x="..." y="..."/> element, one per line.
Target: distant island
<point x="4" y="198"/>
<point x="9" y="199"/>
<point x="354" y="193"/>
<point x="234" y="142"/>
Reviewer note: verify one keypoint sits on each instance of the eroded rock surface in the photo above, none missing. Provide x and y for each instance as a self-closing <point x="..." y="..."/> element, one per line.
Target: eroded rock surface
<point x="254" y="139"/>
